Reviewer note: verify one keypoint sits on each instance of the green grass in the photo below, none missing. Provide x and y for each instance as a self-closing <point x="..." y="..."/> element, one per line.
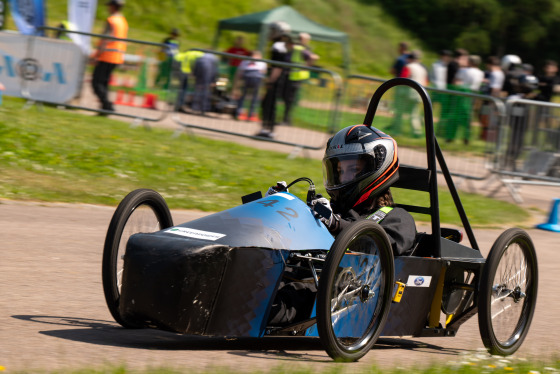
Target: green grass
<point x="373" y="33"/>
<point x="51" y="155"/>
<point x="469" y="363"/>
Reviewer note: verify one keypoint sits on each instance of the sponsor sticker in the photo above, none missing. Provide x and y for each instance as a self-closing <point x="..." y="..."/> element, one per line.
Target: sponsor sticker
<point x="419" y="281"/>
<point x="285" y="196"/>
<point x="193" y="233"/>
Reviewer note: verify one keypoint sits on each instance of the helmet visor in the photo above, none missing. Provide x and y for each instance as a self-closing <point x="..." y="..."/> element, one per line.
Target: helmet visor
<point x="342" y="170"/>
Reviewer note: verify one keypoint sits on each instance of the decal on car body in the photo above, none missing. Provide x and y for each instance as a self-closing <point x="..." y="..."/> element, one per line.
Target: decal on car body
<point x="193" y="233"/>
<point x="419" y="281"/>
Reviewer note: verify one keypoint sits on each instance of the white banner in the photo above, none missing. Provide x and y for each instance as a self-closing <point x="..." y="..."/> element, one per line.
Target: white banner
<point x="38" y="68"/>
<point x="81" y="15"/>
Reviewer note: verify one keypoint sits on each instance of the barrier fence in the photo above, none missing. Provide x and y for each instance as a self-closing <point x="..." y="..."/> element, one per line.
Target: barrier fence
<point x="528" y="148"/>
<point x="466" y="123"/>
<point x="312" y="117"/>
<point x="516" y="141"/>
<point x="134" y="89"/>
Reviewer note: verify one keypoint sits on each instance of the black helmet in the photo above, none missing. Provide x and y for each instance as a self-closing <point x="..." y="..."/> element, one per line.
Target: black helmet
<point x="528" y="83"/>
<point x="359" y="163"/>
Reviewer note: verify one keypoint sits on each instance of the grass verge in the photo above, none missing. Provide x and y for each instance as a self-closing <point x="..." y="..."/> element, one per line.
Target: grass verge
<point x="51" y="155"/>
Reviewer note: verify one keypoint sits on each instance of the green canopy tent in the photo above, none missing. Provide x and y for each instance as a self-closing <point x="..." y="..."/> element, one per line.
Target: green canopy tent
<point x="259" y="23"/>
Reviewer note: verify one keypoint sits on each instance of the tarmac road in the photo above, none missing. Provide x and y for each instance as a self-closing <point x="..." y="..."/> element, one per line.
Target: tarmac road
<point x="53" y="313"/>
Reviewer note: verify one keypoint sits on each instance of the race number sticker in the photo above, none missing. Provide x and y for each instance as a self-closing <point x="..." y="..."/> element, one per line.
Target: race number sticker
<point x="193" y="233"/>
<point x="419" y="281"/>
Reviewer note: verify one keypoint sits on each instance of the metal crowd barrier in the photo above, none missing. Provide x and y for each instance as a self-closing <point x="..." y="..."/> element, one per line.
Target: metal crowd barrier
<point x="133" y="88"/>
<point x="314" y="114"/>
<point x="528" y="148"/>
<point x="466" y="123"/>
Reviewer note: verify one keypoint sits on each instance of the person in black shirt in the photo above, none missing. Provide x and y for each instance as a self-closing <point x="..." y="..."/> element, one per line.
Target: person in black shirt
<point x="359" y="166"/>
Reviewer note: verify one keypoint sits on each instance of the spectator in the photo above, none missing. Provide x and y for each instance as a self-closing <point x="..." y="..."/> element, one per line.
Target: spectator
<point x="410" y="99"/>
<point x="513" y="70"/>
<point x="279" y="34"/>
<point x="166" y="59"/>
<point x="491" y="85"/>
<point x="450" y="118"/>
<point x="187" y="60"/>
<point x="64" y="25"/>
<point x="295" y="77"/>
<point x="252" y="74"/>
<point x="526" y="88"/>
<point x="438" y="74"/>
<point x="401" y="60"/>
<point x="470" y="79"/>
<point x="109" y="53"/>
<point x="471" y="76"/>
<point x="304" y="40"/>
<point x="549" y="84"/>
<point x="237" y="49"/>
<point x="205" y="73"/>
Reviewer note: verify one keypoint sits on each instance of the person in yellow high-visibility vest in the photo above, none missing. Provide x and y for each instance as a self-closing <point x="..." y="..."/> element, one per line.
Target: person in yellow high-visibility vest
<point x="66" y="25"/>
<point x="301" y="56"/>
<point x="187" y="60"/>
<point x="109" y="53"/>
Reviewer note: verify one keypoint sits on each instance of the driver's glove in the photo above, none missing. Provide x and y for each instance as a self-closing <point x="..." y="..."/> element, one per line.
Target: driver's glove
<point x="332" y="221"/>
<point x="281" y="186"/>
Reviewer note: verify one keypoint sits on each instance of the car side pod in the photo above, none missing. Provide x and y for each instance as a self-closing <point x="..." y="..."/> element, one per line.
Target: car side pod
<point x="194" y="287"/>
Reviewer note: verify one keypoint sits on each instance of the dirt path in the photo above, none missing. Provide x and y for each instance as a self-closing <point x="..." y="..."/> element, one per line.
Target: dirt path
<point x="53" y="314"/>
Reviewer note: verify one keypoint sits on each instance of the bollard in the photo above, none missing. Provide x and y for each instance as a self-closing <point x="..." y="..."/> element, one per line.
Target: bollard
<point x="552" y="224"/>
<point x="149" y="101"/>
<point x="131" y="95"/>
<point x="120" y="98"/>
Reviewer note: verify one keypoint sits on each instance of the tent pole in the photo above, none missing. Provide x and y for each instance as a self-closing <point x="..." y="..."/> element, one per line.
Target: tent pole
<point x="263" y="35"/>
<point x="216" y="38"/>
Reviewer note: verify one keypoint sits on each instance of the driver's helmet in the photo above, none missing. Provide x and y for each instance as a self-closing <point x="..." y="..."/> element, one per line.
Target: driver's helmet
<point x="359" y="163"/>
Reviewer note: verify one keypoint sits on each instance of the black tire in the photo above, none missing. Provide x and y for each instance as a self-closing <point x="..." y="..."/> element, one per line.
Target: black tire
<point x="358" y="275"/>
<point x="142" y="210"/>
<point x="508" y="292"/>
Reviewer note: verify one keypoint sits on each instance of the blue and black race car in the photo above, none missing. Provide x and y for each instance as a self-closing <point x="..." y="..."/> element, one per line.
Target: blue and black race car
<point x="219" y="275"/>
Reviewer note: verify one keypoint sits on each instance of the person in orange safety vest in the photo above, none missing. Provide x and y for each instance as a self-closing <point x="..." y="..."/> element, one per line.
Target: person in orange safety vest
<point x="109" y="53"/>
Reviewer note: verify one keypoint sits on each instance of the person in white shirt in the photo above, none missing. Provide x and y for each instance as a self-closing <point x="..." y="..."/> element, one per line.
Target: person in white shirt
<point x="410" y="100"/>
<point x="438" y="74"/>
<point x="252" y="74"/>
<point x="471" y="77"/>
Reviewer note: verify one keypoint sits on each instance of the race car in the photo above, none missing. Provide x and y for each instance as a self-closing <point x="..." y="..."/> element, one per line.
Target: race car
<point x="219" y="275"/>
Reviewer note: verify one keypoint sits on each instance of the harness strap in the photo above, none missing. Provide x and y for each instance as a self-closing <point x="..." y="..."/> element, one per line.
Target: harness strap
<point x="380" y="214"/>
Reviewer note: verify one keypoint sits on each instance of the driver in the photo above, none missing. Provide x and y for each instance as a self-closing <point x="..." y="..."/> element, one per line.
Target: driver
<point x="359" y="166"/>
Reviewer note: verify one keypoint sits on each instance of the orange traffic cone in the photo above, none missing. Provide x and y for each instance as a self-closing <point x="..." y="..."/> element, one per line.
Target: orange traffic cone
<point x="131" y="95"/>
<point x="149" y="101"/>
<point x="120" y="98"/>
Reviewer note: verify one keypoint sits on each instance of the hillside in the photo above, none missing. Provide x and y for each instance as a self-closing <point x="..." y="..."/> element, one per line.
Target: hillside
<point x="373" y="33"/>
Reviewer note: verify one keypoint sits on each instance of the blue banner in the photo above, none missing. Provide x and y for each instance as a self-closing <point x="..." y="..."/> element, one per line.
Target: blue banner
<point x="28" y="15"/>
<point x="3" y="6"/>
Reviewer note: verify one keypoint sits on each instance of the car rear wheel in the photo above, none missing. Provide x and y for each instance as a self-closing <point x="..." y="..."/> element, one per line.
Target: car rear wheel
<point x="508" y="293"/>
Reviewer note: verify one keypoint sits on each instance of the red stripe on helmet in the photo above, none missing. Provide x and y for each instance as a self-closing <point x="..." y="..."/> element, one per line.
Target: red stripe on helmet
<point x="352" y="128"/>
<point x="366" y="195"/>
